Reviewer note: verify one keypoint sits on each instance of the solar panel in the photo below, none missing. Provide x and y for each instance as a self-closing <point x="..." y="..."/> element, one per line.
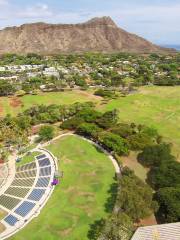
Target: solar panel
<point x="41" y="156"/>
<point x="45" y="171"/>
<point x="8" y="202"/>
<point x="17" y="192"/>
<point x="11" y="220"/>
<point x="44" y="162"/>
<point x="36" y="194"/>
<point x="43" y="182"/>
<point x="24" y="208"/>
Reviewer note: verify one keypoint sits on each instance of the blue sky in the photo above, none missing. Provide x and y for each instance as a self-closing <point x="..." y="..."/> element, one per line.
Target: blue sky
<point x="156" y="20"/>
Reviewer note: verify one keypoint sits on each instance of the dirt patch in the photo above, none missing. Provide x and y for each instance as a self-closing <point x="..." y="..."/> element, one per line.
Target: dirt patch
<point x="2" y="228"/>
<point x="148" y="221"/>
<point x="69" y="189"/>
<point x="90" y="174"/>
<point x="90" y="95"/>
<point x="15" y="102"/>
<point x="66" y="232"/>
<point x="133" y="164"/>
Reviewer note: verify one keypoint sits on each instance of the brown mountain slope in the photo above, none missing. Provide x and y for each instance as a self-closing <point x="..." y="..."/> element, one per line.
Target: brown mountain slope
<point x="98" y="34"/>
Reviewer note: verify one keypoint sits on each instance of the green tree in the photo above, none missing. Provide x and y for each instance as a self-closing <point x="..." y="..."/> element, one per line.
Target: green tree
<point x="169" y="202"/>
<point x="165" y="175"/>
<point x="46" y="133"/>
<point x="135" y="198"/>
<point x="155" y="155"/>
<point x="117" y="227"/>
<point x="114" y="143"/>
<point x="89" y="130"/>
<point x="108" y="119"/>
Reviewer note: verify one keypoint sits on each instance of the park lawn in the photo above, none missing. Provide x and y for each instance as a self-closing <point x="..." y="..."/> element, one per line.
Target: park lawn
<point x="27" y="101"/>
<point x="80" y="198"/>
<point x="28" y="158"/>
<point x="157" y="107"/>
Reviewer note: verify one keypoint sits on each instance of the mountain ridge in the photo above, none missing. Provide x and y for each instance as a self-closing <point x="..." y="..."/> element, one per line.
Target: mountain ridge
<point x="96" y="35"/>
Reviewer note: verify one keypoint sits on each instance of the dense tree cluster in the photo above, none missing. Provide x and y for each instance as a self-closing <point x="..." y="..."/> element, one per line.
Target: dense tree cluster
<point x="164" y="177"/>
<point x="132" y="201"/>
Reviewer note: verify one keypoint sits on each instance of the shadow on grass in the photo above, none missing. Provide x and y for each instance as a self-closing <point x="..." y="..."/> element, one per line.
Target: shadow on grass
<point x="95" y="229"/>
<point x="111" y="200"/>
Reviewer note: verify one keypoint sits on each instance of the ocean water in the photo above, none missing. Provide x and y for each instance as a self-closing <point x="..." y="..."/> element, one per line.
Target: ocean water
<point x="175" y="46"/>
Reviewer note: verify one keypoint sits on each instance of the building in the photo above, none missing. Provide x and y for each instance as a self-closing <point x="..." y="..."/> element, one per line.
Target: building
<point x="169" y="231"/>
<point x="51" y="71"/>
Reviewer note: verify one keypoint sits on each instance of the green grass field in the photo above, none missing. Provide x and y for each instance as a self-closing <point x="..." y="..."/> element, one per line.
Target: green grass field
<point x="80" y="198"/>
<point x="27" y="158"/>
<point x="158" y="107"/>
<point x="15" y="105"/>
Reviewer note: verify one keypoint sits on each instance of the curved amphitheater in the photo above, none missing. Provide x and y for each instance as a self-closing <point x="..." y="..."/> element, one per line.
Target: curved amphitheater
<point x="25" y="191"/>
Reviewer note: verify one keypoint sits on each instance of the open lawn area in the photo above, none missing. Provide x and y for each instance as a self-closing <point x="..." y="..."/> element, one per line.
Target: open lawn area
<point x="29" y="157"/>
<point x="158" y="107"/>
<point x="80" y="198"/>
<point x="14" y="105"/>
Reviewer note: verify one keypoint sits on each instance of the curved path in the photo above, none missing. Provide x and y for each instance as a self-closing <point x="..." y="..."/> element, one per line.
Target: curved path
<point x="27" y="192"/>
<point x="114" y="162"/>
<point x="29" y="187"/>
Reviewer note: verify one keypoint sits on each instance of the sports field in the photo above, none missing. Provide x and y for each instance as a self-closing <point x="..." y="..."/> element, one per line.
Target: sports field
<point x="80" y="198"/>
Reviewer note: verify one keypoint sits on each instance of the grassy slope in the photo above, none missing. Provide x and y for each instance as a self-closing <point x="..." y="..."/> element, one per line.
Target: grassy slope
<point x="154" y="106"/>
<point x="79" y="199"/>
<point x="45" y="98"/>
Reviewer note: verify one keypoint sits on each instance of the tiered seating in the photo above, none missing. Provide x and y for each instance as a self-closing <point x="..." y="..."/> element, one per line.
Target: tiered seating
<point x="8" y="202"/>
<point x="11" y="220"/>
<point x="43" y="182"/>
<point x="41" y="156"/>
<point x="23" y="182"/>
<point x="26" y="174"/>
<point x="18" y="192"/>
<point x="15" y="197"/>
<point x="45" y="171"/>
<point x="36" y="194"/>
<point x="24" y="208"/>
<point x="44" y="162"/>
<point x="26" y="167"/>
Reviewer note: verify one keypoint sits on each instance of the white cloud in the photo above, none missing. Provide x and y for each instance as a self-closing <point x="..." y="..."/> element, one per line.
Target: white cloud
<point x="3" y="2"/>
<point x="37" y="11"/>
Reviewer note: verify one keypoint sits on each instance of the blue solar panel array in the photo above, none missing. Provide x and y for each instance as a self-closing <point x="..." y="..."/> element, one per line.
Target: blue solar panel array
<point x="43" y="182"/>
<point x="41" y="156"/>
<point x="11" y="220"/>
<point x="45" y="171"/>
<point x="24" y="208"/>
<point x="44" y="162"/>
<point x="36" y="194"/>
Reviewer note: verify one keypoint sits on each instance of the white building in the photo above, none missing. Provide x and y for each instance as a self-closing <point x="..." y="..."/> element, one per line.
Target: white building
<point x="51" y="71"/>
<point x="169" y="231"/>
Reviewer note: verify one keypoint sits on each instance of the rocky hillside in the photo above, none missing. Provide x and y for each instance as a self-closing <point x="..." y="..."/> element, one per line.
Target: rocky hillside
<point x="98" y="34"/>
